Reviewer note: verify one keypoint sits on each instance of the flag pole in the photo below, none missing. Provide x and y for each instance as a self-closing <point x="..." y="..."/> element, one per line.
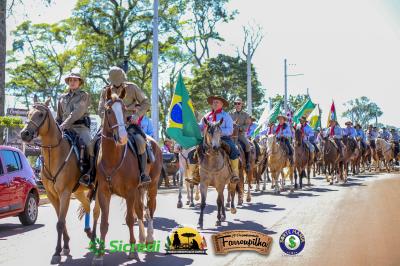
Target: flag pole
<point x="154" y="79"/>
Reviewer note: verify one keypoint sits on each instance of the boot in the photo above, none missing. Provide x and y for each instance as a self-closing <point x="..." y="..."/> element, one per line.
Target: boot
<point x="144" y="178"/>
<point x="247" y="157"/>
<point x="235" y="170"/>
<point x="86" y="178"/>
<point x="291" y="160"/>
<point x="194" y="172"/>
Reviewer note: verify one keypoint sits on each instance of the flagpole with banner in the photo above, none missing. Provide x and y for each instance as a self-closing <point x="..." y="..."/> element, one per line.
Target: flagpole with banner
<point x="332" y="113"/>
<point x="266" y="117"/>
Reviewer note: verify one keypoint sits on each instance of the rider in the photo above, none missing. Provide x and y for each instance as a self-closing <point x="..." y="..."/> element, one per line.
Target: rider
<point x="72" y="114"/>
<point x="283" y="132"/>
<point x="385" y="134"/>
<point x="243" y="120"/>
<point x="361" y="134"/>
<point x="308" y="133"/>
<point x="372" y="135"/>
<point x="335" y="131"/>
<point x="350" y="132"/>
<point x="132" y="113"/>
<point x="145" y="122"/>
<point x="252" y="127"/>
<point x="395" y="140"/>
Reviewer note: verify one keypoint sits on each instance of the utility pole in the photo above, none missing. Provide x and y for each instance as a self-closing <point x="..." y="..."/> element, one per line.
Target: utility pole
<point x="154" y="77"/>
<point x="249" y="96"/>
<point x="285" y="102"/>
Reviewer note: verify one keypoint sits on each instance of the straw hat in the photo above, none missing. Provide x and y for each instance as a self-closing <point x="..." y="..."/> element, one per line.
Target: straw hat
<point x="74" y="75"/>
<point x="217" y="97"/>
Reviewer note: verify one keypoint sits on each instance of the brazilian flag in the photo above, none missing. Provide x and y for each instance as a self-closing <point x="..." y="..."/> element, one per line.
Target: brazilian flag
<point x="182" y="125"/>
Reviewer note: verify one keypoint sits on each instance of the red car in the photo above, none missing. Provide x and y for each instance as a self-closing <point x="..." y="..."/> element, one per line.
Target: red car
<point x="19" y="195"/>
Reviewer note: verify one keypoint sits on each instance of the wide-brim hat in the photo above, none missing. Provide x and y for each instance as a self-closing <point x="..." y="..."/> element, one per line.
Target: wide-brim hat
<point x="303" y="118"/>
<point x="358" y="125"/>
<point x="283" y="116"/>
<point x="210" y="99"/>
<point x="116" y="76"/>
<point x="348" y="123"/>
<point x="168" y="140"/>
<point x="74" y="75"/>
<point x="238" y="100"/>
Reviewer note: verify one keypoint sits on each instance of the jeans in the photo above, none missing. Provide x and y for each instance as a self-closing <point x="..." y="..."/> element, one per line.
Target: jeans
<point x="234" y="154"/>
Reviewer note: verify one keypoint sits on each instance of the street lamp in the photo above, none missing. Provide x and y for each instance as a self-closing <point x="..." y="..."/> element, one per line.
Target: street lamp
<point x="286" y="76"/>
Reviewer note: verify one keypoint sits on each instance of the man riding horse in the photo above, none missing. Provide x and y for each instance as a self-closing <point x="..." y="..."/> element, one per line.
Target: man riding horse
<point x="217" y="113"/>
<point x="242" y="120"/>
<point x="72" y="115"/>
<point x="361" y="135"/>
<point x="372" y="135"/>
<point x="132" y="114"/>
<point x="335" y="131"/>
<point x="350" y="133"/>
<point x="395" y="140"/>
<point x="308" y="134"/>
<point x="385" y="134"/>
<point x="283" y="133"/>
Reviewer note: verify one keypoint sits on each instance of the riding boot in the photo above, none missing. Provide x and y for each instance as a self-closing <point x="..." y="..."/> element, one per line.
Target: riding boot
<point x="193" y="169"/>
<point x="144" y="177"/>
<point x="235" y="170"/>
<point x="247" y="158"/>
<point x="85" y="179"/>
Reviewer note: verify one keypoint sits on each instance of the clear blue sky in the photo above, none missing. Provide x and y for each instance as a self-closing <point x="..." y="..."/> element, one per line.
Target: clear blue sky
<point x="345" y="49"/>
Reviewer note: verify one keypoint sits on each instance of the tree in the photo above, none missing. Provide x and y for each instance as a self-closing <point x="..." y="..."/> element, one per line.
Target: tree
<point x="226" y="76"/>
<point x="253" y="35"/>
<point x="41" y="57"/>
<point x="362" y="110"/>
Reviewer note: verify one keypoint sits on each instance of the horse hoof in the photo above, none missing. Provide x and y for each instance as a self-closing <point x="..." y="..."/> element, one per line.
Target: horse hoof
<point x="264" y="188"/>
<point x="233" y="210"/>
<point x="56" y="259"/>
<point x="97" y="261"/>
<point x="66" y="251"/>
<point x="227" y="205"/>
<point x="248" y="199"/>
<point x="149" y="239"/>
<point x="223" y="218"/>
<point x="191" y="205"/>
<point x="197" y="198"/>
<point x="291" y="190"/>
<point x="218" y="223"/>
<point x="331" y="183"/>
<point x="88" y="232"/>
<point x="133" y="256"/>
<point x="179" y="205"/>
<point x="187" y="202"/>
<point x="200" y="226"/>
<point x="240" y="202"/>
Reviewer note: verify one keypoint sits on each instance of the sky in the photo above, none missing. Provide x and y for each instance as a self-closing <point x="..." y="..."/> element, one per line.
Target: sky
<point x="345" y="49"/>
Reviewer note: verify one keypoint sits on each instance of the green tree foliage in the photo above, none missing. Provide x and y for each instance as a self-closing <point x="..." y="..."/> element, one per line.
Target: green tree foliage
<point x="226" y="76"/>
<point x="11" y="122"/>
<point x="362" y="110"/>
<point x="294" y="101"/>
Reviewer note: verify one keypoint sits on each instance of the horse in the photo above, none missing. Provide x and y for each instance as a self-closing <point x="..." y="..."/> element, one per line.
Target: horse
<point x="331" y="158"/>
<point x="214" y="170"/>
<point x="183" y="174"/>
<point x="118" y="174"/>
<point x="277" y="161"/>
<point x="60" y="172"/>
<point x="385" y="153"/>
<point x="351" y="154"/>
<point x="262" y="172"/>
<point x="303" y="158"/>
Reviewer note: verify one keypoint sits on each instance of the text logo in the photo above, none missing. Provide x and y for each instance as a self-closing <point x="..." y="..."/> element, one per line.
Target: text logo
<point x="292" y="241"/>
<point x="98" y="246"/>
<point x="185" y="240"/>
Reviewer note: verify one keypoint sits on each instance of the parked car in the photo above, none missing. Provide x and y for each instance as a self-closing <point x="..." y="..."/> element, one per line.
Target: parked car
<point x="19" y="195"/>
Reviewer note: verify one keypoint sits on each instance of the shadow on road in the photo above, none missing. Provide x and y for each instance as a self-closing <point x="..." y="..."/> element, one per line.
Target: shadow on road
<point x="119" y="258"/>
<point x="261" y="207"/>
<point x="8" y="229"/>
<point x="241" y="225"/>
<point x="319" y="189"/>
<point x="164" y="224"/>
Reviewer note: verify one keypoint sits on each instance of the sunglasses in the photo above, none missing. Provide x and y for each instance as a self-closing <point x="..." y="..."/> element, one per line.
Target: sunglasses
<point x="238" y="103"/>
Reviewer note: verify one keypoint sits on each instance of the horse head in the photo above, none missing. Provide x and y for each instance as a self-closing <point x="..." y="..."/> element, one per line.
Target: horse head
<point x="212" y="135"/>
<point x="114" y="117"/>
<point x="38" y="122"/>
<point x="298" y="137"/>
<point x="272" y="144"/>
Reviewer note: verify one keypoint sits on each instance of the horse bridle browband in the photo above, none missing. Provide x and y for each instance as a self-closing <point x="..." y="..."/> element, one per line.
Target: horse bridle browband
<point x="108" y="105"/>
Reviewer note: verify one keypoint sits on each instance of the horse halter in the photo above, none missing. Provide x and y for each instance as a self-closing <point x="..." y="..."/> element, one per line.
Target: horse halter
<point x="108" y="107"/>
<point x="38" y="125"/>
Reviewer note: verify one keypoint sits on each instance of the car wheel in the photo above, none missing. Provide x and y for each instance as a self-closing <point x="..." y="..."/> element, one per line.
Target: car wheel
<point x="30" y="213"/>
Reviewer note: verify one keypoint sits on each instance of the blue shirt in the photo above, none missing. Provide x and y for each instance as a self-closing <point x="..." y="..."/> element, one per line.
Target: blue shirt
<point x="385" y="135"/>
<point x="284" y="131"/>
<point x="308" y="132"/>
<point x="147" y="126"/>
<point x="350" y="132"/>
<point x="337" y="132"/>
<point x="372" y="135"/>
<point x="227" y="124"/>
<point x="361" y="134"/>
<point x="395" y="136"/>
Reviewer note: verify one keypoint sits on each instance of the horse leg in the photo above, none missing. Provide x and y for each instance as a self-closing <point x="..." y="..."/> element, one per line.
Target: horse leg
<point x="54" y="200"/>
<point x="231" y="194"/>
<point x="96" y="215"/>
<point x="220" y="205"/>
<point x="140" y="203"/>
<point x="187" y="193"/>
<point x="83" y="199"/>
<point x="203" y="192"/>
<point x="230" y="199"/>
<point x="151" y="208"/>
<point x="191" y="196"/>
<point x="295" y="177"/>
<point x="197" y="195"/>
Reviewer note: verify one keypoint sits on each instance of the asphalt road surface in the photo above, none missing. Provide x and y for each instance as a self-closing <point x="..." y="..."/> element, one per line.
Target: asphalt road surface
<point x="352" y="224"/>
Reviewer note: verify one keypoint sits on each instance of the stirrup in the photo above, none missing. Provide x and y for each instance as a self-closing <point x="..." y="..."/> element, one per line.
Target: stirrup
<point x="141" y="182"/>
<point x="83" y="181"/>
<point x="235" y="179"/>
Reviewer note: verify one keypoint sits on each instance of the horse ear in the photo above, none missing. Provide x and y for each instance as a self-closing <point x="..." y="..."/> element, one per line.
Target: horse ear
<point x="47" y="102"/>
<point x="122" y="93"/>
<point x="220" y="121"/>
<point x="108" y="93"/>
<point x="205" y="121"/>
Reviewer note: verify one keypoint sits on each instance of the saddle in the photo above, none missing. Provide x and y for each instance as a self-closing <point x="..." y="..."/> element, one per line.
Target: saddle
<point x="79" y="148"/>
<point x="138" y="143"/>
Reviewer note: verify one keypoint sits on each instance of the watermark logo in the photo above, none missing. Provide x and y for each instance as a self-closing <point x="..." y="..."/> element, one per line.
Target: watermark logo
<point x="292" y="241"/>
<point x="240" y="240"/>
<point x="98" y="246"/>
<point x="185" y="240"/>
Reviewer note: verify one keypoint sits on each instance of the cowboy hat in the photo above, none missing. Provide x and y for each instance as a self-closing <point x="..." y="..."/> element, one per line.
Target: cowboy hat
<point x="238" y="100"/>
<point x="210" y="100"/>
<point x="348" y="123"/>
<point x="358" y="125"/>
<point x="116" y="76"/>
<point x="283" y="116"/>
<point x="74" y="75"/>
<point x="303" y="118"/>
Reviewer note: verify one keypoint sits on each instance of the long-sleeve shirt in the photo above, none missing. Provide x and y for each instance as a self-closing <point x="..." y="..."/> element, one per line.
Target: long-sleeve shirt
<point x="71" y="107"/>
<point x="308" y="132"/>
<point x="147" y="126"/>
<point x="350" y="132"/>
<point x="283" y="131"/>
<point x="361" y="134"/>
<point x="336" y="133"/>
<point x="372" y="135"/>
<point x="227" y="124"/>
<point x="395" y="137"/>
<point x="385" y="135"/>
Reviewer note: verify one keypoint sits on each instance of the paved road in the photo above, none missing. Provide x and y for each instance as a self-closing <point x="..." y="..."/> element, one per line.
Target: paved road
<point x="351" y="224"/>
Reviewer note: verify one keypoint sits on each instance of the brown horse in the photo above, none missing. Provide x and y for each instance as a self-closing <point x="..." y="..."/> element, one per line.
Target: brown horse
<point x="331" y="158"/>
<point x="303" y="159"/>
<point x="215" y="171"/>
<point x="118" y="174"/>
<point x="60" y="171"/>
<point x="351" y="154"/>
<point x="262" y="173"/>
<point x="385" y="153"/>
<point x="277" y="161"/>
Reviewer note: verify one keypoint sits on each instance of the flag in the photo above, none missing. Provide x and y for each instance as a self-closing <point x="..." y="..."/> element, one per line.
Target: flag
<point x="182" y="125"/>
<point x="332" y="113"/>
<point x="305" y="110"/>
<point x="314" y="118"/>
<point x="266" y="117"/>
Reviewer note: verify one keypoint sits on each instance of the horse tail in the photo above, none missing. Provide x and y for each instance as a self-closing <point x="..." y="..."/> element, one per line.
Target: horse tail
<point x="81" y="212"/>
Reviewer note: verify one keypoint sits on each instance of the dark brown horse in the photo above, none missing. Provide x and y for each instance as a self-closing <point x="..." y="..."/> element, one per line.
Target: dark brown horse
<point x="118" y="173"/>
<point x="351" y="154"/>
<point x="331" y="158"/>
<point x="303" y="159"/>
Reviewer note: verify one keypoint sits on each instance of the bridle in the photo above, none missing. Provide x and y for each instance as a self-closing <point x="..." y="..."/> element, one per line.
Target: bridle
<point x="108" y="106"/>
